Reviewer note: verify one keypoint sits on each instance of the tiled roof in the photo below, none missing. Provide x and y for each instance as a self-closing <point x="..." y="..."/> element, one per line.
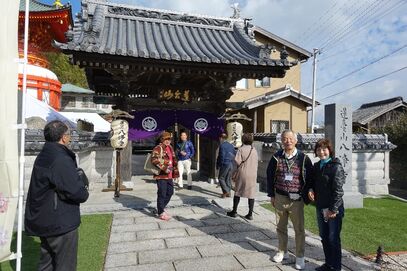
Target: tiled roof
<point x="307" y="142"/>
<point x="370" y="111"/>
<point x="75" y="89"/>
<point x="305" y="54"/>
<point x="123" y="30"/>
<point x="36" y="6"/>
<point x="275" y="95"/>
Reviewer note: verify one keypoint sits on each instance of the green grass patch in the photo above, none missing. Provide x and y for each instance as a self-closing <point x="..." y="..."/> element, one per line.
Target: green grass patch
<point x="380" y="222"/>
<point x="93" y="240"/>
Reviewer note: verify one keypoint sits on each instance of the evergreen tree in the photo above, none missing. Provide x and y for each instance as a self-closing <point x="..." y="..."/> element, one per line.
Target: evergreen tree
<point x="66" y="72"/>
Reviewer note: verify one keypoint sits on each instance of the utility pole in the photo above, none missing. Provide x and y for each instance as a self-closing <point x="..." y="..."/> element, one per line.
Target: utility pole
<point x="314" y="86"/>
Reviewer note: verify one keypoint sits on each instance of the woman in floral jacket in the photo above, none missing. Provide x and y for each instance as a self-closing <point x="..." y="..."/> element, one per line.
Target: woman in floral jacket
<point x="164" y="158"/>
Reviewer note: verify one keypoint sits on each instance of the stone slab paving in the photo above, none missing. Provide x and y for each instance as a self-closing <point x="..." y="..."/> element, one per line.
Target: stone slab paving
<point x="199" y="236"/>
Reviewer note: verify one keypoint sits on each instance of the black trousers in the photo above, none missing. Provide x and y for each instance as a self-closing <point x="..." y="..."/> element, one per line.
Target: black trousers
<point x="59" y="253"/>
<point x="164" y="194"/>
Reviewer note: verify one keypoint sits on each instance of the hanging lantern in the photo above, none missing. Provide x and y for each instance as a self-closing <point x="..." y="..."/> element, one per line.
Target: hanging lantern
<point x="235" y="132"/>
<point x="120" y="134"/>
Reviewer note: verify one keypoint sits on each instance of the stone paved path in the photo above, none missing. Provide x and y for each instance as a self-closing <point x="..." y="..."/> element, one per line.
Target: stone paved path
<point x="199" y="236"/>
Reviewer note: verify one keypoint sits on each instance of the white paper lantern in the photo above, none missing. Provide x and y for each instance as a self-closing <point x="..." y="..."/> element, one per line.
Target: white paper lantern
<point x="235" y="132"/>
<point x="120" y="134"/>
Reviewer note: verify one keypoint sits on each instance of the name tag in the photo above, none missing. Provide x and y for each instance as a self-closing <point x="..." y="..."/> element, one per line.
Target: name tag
<point x="289" y="177"/>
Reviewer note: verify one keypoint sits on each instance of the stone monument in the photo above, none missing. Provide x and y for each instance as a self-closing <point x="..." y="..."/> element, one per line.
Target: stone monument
<point x="338" y="128"/>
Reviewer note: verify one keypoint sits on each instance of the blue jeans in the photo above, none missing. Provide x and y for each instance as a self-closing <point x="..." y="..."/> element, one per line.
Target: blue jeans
<point x="330" y="233"/>
<point x="164" y="194"/>
<point x="225" y="175"/>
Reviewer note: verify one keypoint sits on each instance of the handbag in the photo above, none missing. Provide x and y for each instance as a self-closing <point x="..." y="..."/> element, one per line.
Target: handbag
<point x="150" y="167"/>
<point x="83" y="177"/>
<point x="235" y="174"/>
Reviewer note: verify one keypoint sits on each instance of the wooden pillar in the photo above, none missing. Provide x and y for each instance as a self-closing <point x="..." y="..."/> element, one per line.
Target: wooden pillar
<point x="255" y="121"/>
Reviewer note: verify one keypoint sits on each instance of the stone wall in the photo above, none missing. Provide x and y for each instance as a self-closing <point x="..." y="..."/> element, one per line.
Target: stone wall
<point x="93" y="153"/>
<point x="370" y="160"/>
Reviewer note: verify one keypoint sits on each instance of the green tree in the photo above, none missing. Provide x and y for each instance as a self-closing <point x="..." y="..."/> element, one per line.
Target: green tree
<point x="397" y="134"/>
<point x="66" y="72"/>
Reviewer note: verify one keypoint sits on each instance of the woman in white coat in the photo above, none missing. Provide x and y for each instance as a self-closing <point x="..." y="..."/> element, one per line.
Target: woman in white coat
<point x="246" y="175"/>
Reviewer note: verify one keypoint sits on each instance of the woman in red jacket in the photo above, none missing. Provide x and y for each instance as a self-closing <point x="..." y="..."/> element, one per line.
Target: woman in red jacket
<point x="164" y="158"/>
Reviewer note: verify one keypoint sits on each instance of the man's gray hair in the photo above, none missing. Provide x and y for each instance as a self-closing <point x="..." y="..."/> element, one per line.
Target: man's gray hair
<point x="289" y="131"/>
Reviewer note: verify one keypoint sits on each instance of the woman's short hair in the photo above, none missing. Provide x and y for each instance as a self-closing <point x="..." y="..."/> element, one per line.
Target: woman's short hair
<point x="325" y="143"/>
<point x="247" y="139"/>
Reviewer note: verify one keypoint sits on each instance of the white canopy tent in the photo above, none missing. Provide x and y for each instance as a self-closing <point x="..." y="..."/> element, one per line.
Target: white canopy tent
<point x="100" y="125"/>
<point x="37" y="108"/>
<point x="10" y="194"/>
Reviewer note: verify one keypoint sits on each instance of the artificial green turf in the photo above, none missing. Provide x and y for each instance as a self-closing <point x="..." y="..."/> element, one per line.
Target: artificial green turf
<point x="93" y="240"/>
<point x="380" y="222"/>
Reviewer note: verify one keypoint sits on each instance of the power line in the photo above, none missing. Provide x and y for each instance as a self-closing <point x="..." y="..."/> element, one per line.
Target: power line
<point x="345" y="17"/>
<point x="364" y="83"/>
<point x="339" y="34"/>
<point x="323" y="59"/>
<point x="318" y="23"/>
<point x="361" y="68"/>
<point x="367" y="23"/>
<point x="334" y="20"/>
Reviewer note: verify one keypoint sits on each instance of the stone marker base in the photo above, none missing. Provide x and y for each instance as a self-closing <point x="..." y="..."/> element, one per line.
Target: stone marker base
<point x="353" y="200"/>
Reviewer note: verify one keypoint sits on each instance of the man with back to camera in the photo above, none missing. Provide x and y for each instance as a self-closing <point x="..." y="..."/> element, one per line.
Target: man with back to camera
<point x="224" y="163"/>
<point x="288" y="173"/>
<point x="52" y="207"/>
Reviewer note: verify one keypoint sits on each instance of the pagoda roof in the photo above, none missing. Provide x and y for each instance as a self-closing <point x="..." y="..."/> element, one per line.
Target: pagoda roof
<point x="36" y="6"/>
<point x="144" y="33"/>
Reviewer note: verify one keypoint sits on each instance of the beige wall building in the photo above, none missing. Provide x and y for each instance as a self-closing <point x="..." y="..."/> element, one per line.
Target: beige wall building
<point x="274" y="104"/>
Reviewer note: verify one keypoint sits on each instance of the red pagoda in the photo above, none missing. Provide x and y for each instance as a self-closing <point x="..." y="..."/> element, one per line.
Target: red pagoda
<point x="47" y="23"/>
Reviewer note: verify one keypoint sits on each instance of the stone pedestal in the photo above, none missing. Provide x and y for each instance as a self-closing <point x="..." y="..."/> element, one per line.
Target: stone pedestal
<point x="338" y="128"/>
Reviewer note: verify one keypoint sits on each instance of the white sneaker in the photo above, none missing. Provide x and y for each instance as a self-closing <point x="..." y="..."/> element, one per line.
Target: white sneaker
<point x="299" y="263"/>
<point x="280" y="256"/>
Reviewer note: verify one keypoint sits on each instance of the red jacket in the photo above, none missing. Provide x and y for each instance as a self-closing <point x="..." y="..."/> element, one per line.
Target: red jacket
<point x="162" y="162"/>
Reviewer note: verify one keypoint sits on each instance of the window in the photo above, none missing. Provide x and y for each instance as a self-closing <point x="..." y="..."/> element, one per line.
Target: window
<point x="278" y="126"/>
<point x="68" y="101"/>
<point x="85" y="102"/>
<point x="265" y="82"/>
<point x="241" y="84"/>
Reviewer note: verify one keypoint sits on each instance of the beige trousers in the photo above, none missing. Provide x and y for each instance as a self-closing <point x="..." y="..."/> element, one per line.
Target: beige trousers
<point x="295" y="210"/>
<point x="184" y="164"/>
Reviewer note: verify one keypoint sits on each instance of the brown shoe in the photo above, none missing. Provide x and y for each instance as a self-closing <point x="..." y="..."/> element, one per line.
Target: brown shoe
<point x="224" y="195"/>
<point x="228" y="195"/>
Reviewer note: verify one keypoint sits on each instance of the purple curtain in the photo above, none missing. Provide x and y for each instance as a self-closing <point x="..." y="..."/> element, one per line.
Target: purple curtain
<point x="151" y="123"/>
<point x="203" y="123"/>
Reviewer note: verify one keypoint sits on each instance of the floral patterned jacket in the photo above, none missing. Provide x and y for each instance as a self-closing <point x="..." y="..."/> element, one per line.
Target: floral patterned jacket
<point x="163" y="162"/>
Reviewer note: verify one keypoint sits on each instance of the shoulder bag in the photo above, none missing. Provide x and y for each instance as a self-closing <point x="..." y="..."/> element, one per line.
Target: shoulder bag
<point x="150" y="167"/>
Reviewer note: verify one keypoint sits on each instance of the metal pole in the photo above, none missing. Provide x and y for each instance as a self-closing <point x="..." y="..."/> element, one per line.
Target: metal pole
<point x="314" y="84"/>
<point x="22" y="141"/>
